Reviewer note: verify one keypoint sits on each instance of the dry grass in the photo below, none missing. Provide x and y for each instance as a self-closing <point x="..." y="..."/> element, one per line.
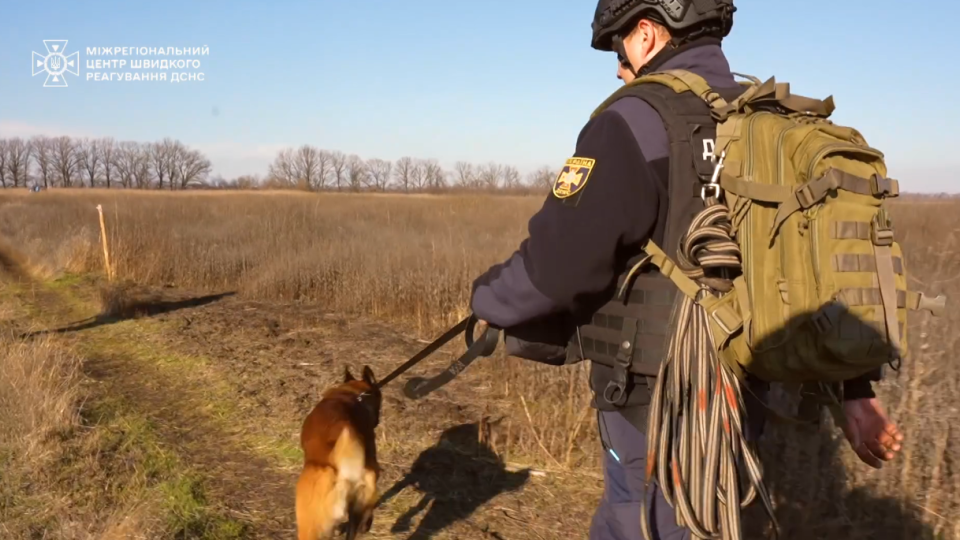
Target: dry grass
<point x="76" y="463"/>
<point x="411" y="261"/>
<point x="404" y="258"/>
<point x="38" y="385"/>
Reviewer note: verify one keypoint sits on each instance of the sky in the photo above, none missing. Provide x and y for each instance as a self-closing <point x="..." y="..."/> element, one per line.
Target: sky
<point x="510" y="81"/>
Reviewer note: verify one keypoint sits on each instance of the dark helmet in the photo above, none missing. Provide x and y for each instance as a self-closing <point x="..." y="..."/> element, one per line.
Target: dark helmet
<point x="613" y="16"/>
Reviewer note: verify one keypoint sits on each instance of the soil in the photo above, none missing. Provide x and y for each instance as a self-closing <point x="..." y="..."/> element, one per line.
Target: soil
<point x="228" y="382"/>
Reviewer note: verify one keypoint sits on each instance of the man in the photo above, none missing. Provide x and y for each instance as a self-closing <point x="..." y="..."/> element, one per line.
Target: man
<point x="554" y="297"/>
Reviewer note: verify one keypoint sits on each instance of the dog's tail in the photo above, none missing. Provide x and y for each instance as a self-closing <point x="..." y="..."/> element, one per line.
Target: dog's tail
<point x="324" y="493"/>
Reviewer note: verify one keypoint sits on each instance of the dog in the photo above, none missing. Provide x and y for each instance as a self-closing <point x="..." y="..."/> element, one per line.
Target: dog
<point x="337" y="489"/>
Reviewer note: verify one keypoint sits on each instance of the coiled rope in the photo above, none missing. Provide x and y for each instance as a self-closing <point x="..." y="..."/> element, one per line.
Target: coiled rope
<point x="696" y="446"/>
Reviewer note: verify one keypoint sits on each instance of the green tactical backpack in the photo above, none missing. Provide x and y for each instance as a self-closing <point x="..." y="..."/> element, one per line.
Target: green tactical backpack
<point x="823" y="292"/>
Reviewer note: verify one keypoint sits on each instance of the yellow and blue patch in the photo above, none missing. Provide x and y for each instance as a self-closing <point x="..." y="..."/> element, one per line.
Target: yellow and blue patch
<point x="572" y="177"/>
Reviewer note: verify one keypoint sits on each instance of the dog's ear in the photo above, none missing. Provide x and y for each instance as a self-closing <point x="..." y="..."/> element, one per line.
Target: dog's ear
<point x="368" y="376"/>
<point x="347" y="376"/>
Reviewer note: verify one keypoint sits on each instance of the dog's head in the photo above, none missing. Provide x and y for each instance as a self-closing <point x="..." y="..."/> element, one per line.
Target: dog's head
<point x="368" y="394"/>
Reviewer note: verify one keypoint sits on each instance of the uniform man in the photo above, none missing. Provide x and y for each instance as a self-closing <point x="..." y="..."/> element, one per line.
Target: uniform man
<point x="555" y="296"/>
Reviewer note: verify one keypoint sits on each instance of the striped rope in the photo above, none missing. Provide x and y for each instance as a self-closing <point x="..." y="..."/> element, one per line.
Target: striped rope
<point x="696" y="442"/>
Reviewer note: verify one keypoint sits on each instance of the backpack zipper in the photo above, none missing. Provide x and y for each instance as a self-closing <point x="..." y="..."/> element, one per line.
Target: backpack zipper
<point x="783" y="248"/>
<point x="747" y="247"/>
<point x="814" y="231"/>
<point x="853" y="148"/>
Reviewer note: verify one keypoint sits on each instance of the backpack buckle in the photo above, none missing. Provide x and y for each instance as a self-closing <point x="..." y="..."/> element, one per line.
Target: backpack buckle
<point x="881" y="186"/>
<point x="881" y="230"/>
<point x="805" y="196"/>
<point x="882" y="237"/>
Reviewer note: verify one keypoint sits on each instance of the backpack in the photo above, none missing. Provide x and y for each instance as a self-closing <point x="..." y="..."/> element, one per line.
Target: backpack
<point x="823" y="292"/>
<point x="790" y="274"/>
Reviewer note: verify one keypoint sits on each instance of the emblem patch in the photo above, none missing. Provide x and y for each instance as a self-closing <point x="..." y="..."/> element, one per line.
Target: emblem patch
<point x="573" y="176"/>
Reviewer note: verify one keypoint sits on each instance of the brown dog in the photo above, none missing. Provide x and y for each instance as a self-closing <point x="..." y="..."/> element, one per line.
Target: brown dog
<point x="338" y="485"/>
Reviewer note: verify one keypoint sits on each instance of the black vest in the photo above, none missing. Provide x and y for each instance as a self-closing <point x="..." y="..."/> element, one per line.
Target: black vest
<point x="630" y="334"/>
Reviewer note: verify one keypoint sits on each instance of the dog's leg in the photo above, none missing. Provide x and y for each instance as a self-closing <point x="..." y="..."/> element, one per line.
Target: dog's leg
<point x="361" y="510"/>
<point x="321" y="503"/>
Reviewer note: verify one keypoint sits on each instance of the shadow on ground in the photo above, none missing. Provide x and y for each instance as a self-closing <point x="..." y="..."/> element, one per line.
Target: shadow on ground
<point x="804" y="467"/>
<point x="457" y="475"/>
<point x="814" y="498"/>
<point x="131" y="309"/>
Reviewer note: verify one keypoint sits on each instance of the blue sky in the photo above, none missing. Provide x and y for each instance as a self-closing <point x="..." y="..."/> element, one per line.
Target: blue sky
<point x="507" y="81"/>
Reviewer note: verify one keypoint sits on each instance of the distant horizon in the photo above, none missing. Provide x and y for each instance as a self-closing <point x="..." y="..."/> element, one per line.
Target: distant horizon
<point x="504" y="82"/>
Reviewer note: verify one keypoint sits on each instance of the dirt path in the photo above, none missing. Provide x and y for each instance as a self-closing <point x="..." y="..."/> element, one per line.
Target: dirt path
<point x="225" y="384"/>
<point x="243" y="484"/>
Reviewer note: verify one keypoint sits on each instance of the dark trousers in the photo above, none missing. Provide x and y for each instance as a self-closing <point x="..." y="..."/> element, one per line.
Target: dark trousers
<point x="624" y="463"/>
<point x="624" y="460"/>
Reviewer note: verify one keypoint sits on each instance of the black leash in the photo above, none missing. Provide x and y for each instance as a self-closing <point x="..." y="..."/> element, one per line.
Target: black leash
<point x="417" y="387"/>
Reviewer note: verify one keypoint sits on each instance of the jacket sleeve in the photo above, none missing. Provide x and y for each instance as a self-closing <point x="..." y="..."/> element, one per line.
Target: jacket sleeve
<point x="574" y="243"/>
<point x="861" y="387"/>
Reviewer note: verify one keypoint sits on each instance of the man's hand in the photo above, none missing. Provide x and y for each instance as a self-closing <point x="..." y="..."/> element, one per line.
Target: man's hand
<point x="480" y="329"/>
<point x="871" y="433"/>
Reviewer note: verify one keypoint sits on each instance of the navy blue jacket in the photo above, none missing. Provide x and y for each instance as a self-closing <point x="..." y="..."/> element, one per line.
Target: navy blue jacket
<point x="567" y="267"/>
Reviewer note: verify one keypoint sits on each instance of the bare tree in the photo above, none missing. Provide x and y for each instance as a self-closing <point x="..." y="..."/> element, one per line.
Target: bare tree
<point x="379" y="173"/>
<point x="162" y="159"/>
<point x="190" y="166"/>
<point x="433" y="174"/>
<point x="404" y="172"/>
<point x="324" y="168"/>
<point x="338" y="163"/>
<point x="357" y="173"/>
<point x="464" y="175"/>
<point x="3" y="163"/>
<point x="89" y="157"/>
<point x="489" y="176"/>
<point x="18" y="161"/>
<point x="511" y="177"/>
<point x="142" y="161"/>
<point x="66" y="161"/>
<point x="247" y="182"/>
<point x="108" y="155"/>
<point x="283" y="170"/>
<point x="307" y="165"/>
<point x="124" y="162"/>
<point x="542" y="178"/>
<point x="133" y="164"/>
<point x="43" y="155"/>
<point x="418" y="176"/>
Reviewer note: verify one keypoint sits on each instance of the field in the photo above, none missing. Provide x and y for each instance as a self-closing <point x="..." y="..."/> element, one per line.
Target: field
<point x="168" y="404"/>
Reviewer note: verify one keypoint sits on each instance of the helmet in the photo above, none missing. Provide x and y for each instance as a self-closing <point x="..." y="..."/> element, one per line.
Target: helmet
<point x="613" y="16"/>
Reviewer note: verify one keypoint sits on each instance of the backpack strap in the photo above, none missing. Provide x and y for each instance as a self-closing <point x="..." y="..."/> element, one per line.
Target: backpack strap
<point x="690" y="127"/>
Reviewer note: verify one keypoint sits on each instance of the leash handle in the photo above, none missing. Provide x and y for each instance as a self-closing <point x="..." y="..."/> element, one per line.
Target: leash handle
<point x="417" y="387"/>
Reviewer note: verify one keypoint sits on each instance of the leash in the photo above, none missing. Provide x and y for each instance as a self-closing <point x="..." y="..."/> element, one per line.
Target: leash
<point x="417" y="387"/>
<point x="696" y="443"/>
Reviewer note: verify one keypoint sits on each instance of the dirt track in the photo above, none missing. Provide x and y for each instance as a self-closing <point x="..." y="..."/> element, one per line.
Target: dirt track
<point x="227" y="383"/>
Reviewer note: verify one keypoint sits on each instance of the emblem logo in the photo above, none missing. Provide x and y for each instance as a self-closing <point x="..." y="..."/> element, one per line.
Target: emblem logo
<point x="572" y="177"/>
<point x="55" y="63"/>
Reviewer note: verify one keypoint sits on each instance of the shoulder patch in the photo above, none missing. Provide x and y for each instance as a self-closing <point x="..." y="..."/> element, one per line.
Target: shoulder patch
<point x="572" y="177"/>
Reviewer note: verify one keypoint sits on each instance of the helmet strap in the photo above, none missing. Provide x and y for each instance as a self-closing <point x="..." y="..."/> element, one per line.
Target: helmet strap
<point x="617" y="45"/>
<point x="671" y="49"/>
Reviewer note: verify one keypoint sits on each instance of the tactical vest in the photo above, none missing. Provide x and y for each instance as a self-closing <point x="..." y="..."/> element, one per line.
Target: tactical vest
<point x="629" y="334"/>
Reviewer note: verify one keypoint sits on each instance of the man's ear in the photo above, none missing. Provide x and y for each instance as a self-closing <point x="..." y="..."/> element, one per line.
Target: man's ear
<point x="368" y="376"/>
<point x="347" y="376"/>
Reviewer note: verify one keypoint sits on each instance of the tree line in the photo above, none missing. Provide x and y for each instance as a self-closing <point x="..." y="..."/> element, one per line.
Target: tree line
<point x="169" y="164"/>
<point x="90" y="162"/>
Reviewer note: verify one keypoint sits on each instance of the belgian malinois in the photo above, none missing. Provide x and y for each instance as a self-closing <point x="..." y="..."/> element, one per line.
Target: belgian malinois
<point x="337" y="488"/>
